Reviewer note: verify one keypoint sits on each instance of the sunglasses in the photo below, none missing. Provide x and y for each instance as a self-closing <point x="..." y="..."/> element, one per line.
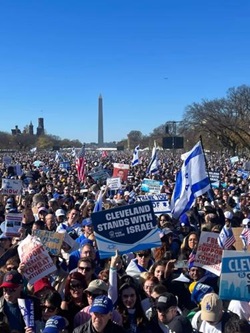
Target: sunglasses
<point x="143" y="255"/>
<point x="10" y="268"/>
<point x="87" y="269"/>
<point x="9" y="290"/>
<point x="48" y="308"/>
<point x="74" y="286"/>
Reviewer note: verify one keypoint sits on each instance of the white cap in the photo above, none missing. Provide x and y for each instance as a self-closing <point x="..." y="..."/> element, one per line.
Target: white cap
<point x="228" y="215"/>
<point x="245" y="221"/>
<point x="60" y="212"/>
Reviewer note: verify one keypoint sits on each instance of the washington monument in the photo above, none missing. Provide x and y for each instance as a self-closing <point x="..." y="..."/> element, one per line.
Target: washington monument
<point x="100" y="122"/>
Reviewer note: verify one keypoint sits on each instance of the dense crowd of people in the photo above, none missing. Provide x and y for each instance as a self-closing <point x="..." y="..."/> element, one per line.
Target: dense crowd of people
<point x="151" y="290"/>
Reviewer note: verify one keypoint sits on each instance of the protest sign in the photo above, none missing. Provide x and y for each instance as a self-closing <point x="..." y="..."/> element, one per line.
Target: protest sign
<point x="11" y="186"/>
<point x="121" y="171"/>
<point x="36" y="259"/>
<point x="127" y="229"/>
<point x="100" y="174"/>
<point x="64" y="165"/>
<point x="214" y="179"/>
<point x="7" y="160"/>
<point x="113" y="183"/>
<point x="151" y="186"/>
<point x="26" y="307"/>
<point x="13" y="223"/>
<point x="51" y="240"/>
<point x="161" y="204"/>
<point x="235" y="276"/>
<point x="208" y="255"/>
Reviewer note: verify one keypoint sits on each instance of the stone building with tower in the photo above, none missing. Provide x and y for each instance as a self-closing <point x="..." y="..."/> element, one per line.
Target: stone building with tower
<point x="29" y="129"/>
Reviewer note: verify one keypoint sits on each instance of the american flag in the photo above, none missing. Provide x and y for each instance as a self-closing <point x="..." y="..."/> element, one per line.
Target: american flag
<point x="226" y="237"/>
<point x="104" y="154"/>
<point x="191" y="257"/>
<point x="80" y="164"/>
<point x="245" y="237"/>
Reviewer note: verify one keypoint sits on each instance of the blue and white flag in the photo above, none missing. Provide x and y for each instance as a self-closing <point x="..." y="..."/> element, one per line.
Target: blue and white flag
<point x="226" y="238"/>
<point x="135" y="160"/>
<point x="191" y="181"/>
<point x="58" y="157"/>
<point x="98" y="204"/>
<point x="153" y="166"/>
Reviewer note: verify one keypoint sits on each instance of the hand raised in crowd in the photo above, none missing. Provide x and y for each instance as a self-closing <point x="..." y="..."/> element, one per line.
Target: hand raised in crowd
<point x="115" y="260"/>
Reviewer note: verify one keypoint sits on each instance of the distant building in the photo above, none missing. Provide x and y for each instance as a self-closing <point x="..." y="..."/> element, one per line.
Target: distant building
<point x="15" y="131"/>
<point x="30" y="129"/>
<point x="40" y="128"/>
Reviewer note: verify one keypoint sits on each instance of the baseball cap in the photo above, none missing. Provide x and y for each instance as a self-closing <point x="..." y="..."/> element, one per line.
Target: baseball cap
<point x="97" y="284"/>
<point x="184" y="220"/>
<point x="101" y="304"/>
<point x="211" y="307"/>
<point x="60" y="212"/>
<point x="165" y="301"/>
<point x="199" y="290"/>
<point x="245" y="221"/>
<point x="55" y="324"/>
<point x="9" y="200"/>
<point x="41" y="284"/>
<point x="42" y="209"/>
<point x="87" y="222"/>
<point x="120" y="192"/>
<point x="12" y="279"/>
<point x="228" y="215"/>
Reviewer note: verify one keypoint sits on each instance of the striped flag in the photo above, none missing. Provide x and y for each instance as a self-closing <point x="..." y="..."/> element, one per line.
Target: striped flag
<point x="98" y="204"/>
<point x="245" y="237"/>
<point x="80" y="164"/>
<point x="226" y="237"/>
<point x="104" y="154"/>
<point x="191" y="181"/>
<point x="58" y="157"/>
<point x="135" y="160"/>
<point x="153" y="166"/>
<point x="191" y="257"/>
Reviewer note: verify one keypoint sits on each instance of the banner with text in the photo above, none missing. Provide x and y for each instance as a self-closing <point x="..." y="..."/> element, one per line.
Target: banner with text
<point x="151" y="186"/>
<point x="13" y="224"/>
<point x="38" y="262"/>
<point x="208" y="255"/>
<point x="235" y="276"/>
<point x="127" y="229"/>
<point x="52" y="241"/>
<point x="161" y="204"/>
<point x="11" y="186"/>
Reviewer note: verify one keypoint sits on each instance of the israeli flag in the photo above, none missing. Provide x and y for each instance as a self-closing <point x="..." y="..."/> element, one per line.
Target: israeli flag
<point x="98" y="204"/>
<point x="58" y="156"/>
<point x="135" y="160"/>
<point x="191" y="181"/>
<point x="153" y="166"/>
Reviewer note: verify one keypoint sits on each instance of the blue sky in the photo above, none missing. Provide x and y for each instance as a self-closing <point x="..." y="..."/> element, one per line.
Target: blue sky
<point x="148" y="58"/>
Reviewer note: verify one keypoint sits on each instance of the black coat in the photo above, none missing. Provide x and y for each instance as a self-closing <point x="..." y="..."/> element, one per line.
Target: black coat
<point x="111" y="327"/>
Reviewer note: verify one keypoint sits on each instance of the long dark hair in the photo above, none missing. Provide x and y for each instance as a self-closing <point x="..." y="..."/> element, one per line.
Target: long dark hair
<point x="140" y="317"/>
<point x="73" y="276"/>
